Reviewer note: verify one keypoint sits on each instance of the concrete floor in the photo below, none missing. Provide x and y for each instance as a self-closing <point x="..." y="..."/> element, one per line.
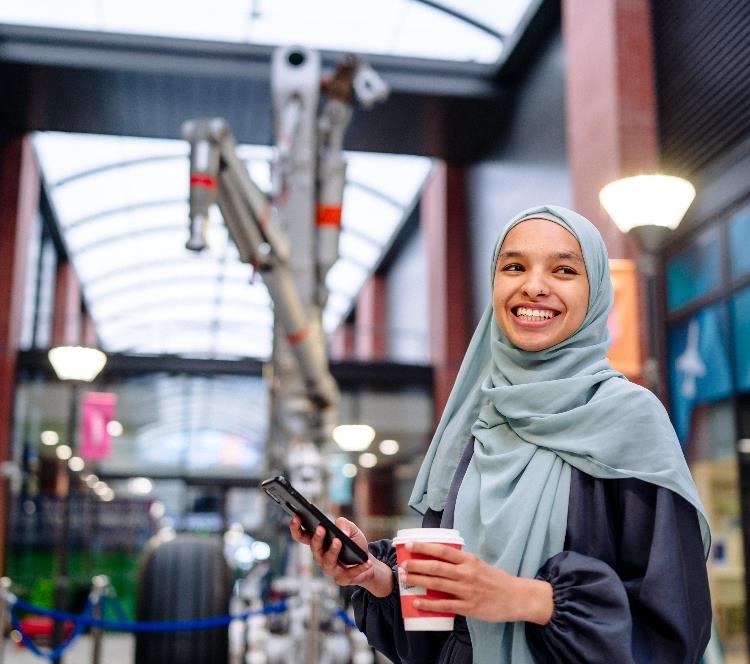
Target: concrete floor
<point x="116" y="649"/>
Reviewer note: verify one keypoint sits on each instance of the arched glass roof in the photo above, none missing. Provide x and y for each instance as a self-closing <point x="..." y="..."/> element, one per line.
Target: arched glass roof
<point x="459" y="30"/>
<point x="122" y="207"/>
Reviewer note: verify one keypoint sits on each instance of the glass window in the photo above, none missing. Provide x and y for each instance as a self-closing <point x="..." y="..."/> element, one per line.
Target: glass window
<point x="122" y="205"/>
<point x="46" y="303"/>
<point x="31" y="289"/>
<point x="739" y="232"/>
<point x="695" y="271"/>
<point x="698" y="364"/>
<point x="461" y="30"/>
<point x="740" y="325"/>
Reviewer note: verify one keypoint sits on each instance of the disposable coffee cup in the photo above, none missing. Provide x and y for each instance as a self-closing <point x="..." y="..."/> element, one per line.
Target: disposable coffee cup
<point x="414" y="618"/>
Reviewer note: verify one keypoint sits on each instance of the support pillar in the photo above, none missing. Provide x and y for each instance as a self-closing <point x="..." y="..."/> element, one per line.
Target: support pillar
<point x="67" y="320"/>
<point x="612" y="123"/>
<point x="443" y="221"/>
<point x="612" y="119"/>
<point x="371" y="321"/>
<point x="342" y="342"/>
<point x="19" y="203"/>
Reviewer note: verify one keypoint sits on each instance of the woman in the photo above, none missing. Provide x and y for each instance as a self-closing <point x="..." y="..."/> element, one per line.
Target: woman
<point x="585" y="537"/>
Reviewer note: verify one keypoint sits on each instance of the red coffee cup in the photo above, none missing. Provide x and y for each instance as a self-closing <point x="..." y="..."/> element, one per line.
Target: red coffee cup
<point x="414" y="618"/>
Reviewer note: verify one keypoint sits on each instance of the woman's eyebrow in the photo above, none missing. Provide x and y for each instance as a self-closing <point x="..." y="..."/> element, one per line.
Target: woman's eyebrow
<point x="569" y="256"/>
<point x="561" y="255"/>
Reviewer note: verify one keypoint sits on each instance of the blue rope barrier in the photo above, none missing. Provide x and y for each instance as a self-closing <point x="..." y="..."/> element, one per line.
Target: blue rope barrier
<point x="56" y="652"/>
<point x="85" y="619"/>
<point x="346" y="618"/>
<point x="128" y="626"/>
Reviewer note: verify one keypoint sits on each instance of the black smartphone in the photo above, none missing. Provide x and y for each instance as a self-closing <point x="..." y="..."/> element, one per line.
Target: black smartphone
<point x="294" y="503"/>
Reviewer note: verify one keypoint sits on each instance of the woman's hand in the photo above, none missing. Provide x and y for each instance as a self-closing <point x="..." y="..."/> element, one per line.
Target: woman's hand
<point x="480" y="590"/>
<point x="372" y="575"/>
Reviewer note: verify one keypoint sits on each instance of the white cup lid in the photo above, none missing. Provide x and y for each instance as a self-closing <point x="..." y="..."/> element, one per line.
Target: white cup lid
<point x="439" y="535"/>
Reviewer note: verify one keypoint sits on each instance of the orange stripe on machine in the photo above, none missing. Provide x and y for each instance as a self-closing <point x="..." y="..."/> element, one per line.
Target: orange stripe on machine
<point x="329" y="215"/>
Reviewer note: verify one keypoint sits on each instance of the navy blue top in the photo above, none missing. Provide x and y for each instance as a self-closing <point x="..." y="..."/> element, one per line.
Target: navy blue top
<point x="630" y="585"/>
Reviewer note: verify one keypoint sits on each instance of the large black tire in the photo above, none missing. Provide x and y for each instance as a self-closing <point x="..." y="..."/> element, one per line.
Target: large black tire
<point x="184" y="578"/>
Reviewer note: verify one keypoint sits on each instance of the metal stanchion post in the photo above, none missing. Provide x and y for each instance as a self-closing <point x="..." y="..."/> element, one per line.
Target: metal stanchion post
<point x="99" y="589"/>
<point x="4" y="600"/>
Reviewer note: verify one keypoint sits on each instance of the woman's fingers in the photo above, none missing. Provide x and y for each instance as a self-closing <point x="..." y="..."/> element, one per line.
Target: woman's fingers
<point x="327" y="558"/>
<point x="299" y="534"/>
<point x="439" y="551"/>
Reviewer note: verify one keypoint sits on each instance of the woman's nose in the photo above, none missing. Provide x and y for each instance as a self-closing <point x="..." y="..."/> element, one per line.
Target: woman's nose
<point x="535" y="286"/>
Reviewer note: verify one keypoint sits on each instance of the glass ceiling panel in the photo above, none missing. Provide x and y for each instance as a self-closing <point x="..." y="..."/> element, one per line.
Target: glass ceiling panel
<point x="460" y="30"/>
<point x="122" y="206"/>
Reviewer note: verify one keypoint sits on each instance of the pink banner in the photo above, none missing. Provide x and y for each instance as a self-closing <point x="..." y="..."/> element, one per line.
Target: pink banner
<point x="97" y="410"/>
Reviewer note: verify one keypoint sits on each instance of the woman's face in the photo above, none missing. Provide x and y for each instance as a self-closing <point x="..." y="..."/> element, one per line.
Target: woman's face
<point x="541" y="291"/>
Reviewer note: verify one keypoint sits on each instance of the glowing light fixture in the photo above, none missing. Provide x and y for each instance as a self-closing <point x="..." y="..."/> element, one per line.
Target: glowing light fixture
<point x="353" y="437"/>
<point x="64" y="452"/>
<point x="140" y="486"/>
<point x="77" y="362"/>
<point x="76" y="464"/>
<point x="388" y="446"/>
<point x="114" y="428"/>
<point x="368" y="460"/>
<point x="349" y="470"/>
<point x="647" y="206"/>
<point x="49" y="437"/>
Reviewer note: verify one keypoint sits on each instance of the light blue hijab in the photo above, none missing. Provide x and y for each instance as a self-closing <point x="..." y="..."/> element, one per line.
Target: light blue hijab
<point x="533" y="416"/>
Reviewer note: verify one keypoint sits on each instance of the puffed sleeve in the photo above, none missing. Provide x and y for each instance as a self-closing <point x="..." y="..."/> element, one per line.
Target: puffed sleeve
<point x="381" y="621"/>
<point x="631" y="585"/>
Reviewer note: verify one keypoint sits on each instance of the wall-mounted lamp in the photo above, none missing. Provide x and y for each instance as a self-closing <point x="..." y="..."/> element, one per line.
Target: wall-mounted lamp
<point x="77" y="362"/>
<point x="649" y="208"/>
<point x="353" y="437"/>
<point x="74" y="365"/>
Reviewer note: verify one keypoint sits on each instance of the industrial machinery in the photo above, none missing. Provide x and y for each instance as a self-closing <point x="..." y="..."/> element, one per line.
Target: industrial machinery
<point x="289" y="236"/>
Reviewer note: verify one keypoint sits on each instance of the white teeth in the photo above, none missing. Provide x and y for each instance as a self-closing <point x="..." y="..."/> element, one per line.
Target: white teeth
<point x="534" y="314"/>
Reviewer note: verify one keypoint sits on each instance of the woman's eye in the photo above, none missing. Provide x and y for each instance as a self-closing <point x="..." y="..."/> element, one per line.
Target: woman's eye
<point x="512" y="267"/>
<point x="565" y="270"/>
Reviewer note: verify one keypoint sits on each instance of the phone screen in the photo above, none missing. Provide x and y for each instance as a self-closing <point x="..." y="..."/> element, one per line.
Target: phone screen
<point x="294" y="503"/>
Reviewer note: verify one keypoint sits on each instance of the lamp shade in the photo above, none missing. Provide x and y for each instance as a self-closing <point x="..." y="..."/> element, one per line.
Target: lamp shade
<point x="647" y="200"/>
<point x="77" y="362"/>
<point x="353" y="437"/>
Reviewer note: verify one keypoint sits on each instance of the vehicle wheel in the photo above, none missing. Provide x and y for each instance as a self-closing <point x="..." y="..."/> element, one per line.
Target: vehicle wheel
<point x="184" y="578"/>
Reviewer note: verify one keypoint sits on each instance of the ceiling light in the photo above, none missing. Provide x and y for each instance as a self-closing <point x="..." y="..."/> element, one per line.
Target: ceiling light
<point x="353" y="437"/>
<point x="64" y="452"/>
<point x="77" y="362"/>
<point x="114" y="428"/>
<point x="49" y="437"/>
<point x="349" y="470"/>
<point x="368" y="460"/>
<point x="76" y="464"/>
<point x="388" y="446"/>
<point x="140" y="486"/>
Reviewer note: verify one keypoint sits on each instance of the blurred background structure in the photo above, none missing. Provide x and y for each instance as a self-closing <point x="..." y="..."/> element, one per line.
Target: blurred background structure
<point x="493" y="107"/>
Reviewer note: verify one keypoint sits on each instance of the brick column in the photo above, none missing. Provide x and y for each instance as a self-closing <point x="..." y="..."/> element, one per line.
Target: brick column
<point x="371" y="321"/>
<point x="611" y="103"/>
<point x="342" y="342"/>
<point x="19" y="202"/>
<point x="612" y="118"/>
<point x="443" y="221"/>
<point x="67" y="320"/>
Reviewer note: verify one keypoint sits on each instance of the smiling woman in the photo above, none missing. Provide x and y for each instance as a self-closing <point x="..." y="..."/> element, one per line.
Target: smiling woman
<point x="541" y="291"/>
<point x="585" y="540"/>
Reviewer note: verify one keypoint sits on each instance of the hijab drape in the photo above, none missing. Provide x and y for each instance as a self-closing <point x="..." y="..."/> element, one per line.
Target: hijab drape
<point x="533" y="416"/>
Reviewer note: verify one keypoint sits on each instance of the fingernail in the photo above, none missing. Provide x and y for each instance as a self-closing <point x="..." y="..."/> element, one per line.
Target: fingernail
<point x="416" y="604"/>
<point x="409" y="546"/>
